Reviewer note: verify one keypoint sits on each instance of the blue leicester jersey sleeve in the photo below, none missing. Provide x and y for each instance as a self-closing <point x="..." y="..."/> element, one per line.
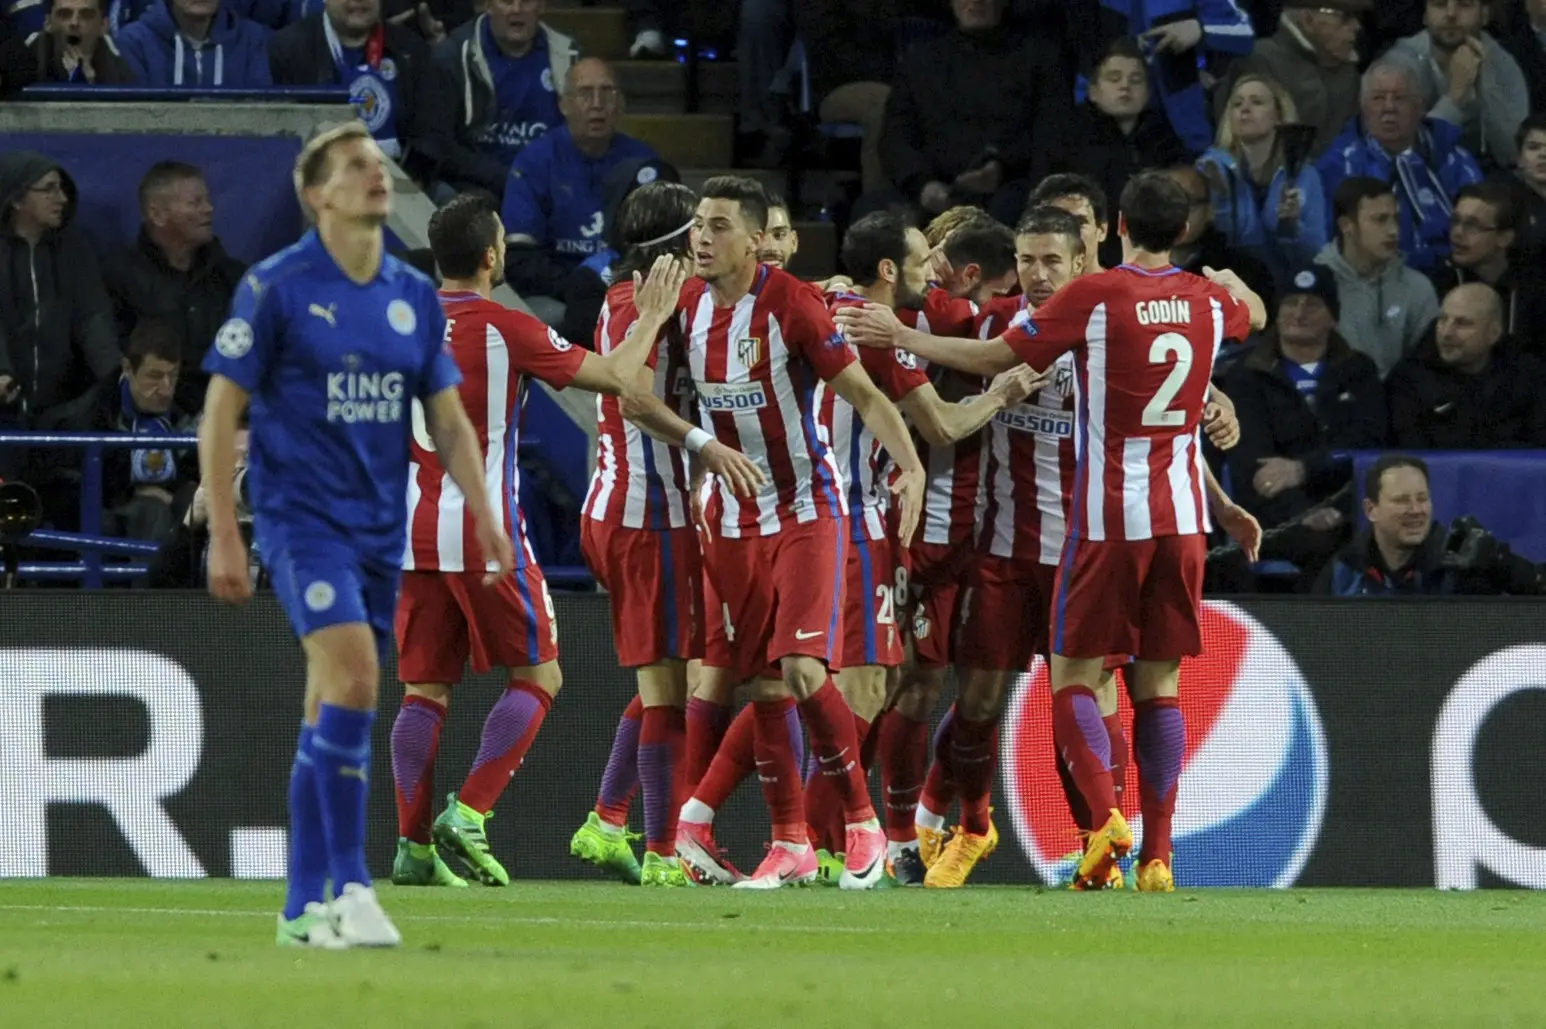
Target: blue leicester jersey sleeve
<point x="332" y="368"/>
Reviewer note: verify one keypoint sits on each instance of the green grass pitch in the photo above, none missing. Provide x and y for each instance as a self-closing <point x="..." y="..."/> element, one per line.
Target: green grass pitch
<point x="130" y="953"/>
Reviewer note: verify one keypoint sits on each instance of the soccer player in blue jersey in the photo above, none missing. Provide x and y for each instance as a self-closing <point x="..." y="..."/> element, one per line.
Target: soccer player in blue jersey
<point x="331" y="341"/>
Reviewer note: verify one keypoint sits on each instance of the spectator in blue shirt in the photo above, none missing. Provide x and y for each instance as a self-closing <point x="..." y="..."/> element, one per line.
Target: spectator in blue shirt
<point x="555" y="199"/>
<point x="505" y="68"/>
<point x="1393" y="142"/>
<point x="1278" y="219"/>
<point x="196" y="44"/>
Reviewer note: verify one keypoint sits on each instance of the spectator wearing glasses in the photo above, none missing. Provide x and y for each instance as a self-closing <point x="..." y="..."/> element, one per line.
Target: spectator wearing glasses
<point x="1314" y="55"/>
<point x="1472" y="389"/>
<point x="555" y="202"/>
<point x="196" y="44"/>
<point x="1482" y="236"/>
<point x="1394" y="141"/>
<point x="73" y="47"/>
<point x="505" y="69"/>
<point x="1468" y="79"/>
<point x="1256" y="206"/>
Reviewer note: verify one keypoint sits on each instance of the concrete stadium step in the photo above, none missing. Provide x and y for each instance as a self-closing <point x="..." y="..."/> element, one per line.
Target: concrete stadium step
<point x="817" y="258"/>
<point x="685" y="140"/>
<point x="599" y="31"/>
<point x="660" y="87"/>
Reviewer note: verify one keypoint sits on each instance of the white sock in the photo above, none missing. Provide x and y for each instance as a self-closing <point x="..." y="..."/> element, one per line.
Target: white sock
<point x="607" y="826"/>
<point x="797" y="849"/>
<point x="868" y="823"/>
<point x="696" y="810"/>
<point x="926" y="819"/>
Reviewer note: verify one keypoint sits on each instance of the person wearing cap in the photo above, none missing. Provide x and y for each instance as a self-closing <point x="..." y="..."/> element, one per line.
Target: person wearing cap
<point x="1302" y="394"/>
<point x="1468" y="79"/>
<point x="1314" y="55"/>
<point x="586" y="288"/>
<point x="554" y="206"/>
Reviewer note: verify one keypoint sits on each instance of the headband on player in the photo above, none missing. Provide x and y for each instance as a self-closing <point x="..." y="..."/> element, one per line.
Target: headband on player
<point x="670" y="235"/>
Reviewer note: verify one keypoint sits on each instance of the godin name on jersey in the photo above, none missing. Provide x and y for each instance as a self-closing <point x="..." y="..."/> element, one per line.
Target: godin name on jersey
<point x="364" y="397"/>
<point x="1164" y="312"/>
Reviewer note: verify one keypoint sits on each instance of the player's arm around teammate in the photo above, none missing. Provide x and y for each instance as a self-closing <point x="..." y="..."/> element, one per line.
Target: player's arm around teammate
<point x="641" y="406"/>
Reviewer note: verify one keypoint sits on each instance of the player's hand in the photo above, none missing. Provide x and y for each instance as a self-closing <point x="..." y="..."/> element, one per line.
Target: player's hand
<point x="695" y="503"/>
<point x="984" y="181"/>
<point x="908" y="489"/>
<point x="1242" y="528"/>
<point x="739" y="471"/>
<point x="1018" y="383"/>
<point x="8" y="389"/>
<point x="1220" y="422"/>
<point x="1176" y="37"/>
<point x="1228" y="281"/>
<point x="495" y="546"/>
<point x="230" y="576"/>
<point x="836" y="284"/>
<point x="1289" y="207"/>
<point x="656" y="296"/>
<point x="873" y="325"/>
<point x="1276" y="475"/>
<point x="935" y="197"/>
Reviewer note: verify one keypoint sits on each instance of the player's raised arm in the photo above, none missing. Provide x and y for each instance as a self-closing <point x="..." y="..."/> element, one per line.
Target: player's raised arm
<point x="940" y="422"/>
<point x="874" y="325"/>
<point x="655" y="298"/>
<point x="1232" y="284"/>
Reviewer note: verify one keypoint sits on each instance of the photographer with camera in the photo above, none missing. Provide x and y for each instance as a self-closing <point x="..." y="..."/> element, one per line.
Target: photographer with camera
<point x="1404" y="552"/>
<point x="184" y="554"/>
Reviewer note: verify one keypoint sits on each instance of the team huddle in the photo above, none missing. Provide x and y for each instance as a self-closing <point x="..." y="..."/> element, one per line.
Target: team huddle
<point x="823" y="500"/>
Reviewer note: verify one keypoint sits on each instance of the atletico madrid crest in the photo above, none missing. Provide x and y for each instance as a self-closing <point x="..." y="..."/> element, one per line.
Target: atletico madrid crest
<point x="749" y="351"/>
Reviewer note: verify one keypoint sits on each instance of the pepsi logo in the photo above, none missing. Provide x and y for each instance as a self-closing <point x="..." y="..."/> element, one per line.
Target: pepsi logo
<point x="1254" y="780"/>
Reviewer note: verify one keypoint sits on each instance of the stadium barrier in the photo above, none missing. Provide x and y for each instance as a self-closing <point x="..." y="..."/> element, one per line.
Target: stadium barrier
<point x="1330" y="743"/>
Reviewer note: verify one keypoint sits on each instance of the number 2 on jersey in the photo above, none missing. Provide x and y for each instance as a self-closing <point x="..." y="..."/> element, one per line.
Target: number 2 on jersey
<point x="1157" y="411"/>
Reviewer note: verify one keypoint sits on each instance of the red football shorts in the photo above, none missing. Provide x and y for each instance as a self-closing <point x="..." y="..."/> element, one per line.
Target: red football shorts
<point x="655" y="581"/>
<point x="1004" y="614"/>
<point x="446" y="619"/>
<point x="769" y="597"/>
<point x="935" y="576"/>
<point x="871" y="594"/>
<point x="1141" y="598"/>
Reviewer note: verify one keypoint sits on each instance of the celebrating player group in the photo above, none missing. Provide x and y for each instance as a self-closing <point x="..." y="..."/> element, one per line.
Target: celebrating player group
<point x="760" y="516"/>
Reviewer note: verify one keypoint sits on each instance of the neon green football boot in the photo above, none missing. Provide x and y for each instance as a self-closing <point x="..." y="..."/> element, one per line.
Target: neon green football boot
<point x="419" y="864"/>
<point x="607" y="848"/>
<point x="312" y="928"/>
<point x="663" y="871"/>
<point x="459" y="830"/>
<point x="829" y="868"/>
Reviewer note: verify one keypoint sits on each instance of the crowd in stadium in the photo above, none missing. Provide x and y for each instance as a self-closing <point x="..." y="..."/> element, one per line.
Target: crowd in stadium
<point x="1375" y="171"/>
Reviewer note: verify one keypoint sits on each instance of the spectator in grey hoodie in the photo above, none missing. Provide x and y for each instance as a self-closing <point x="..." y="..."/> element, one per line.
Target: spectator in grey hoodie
<point x="1386" y="306"/>
<point x="1469" y="80"/>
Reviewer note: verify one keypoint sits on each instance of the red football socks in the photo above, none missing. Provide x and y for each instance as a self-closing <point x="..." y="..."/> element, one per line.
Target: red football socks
<point x="831" y="725"/>
<point x="1119" y="753"/>
<point x="973" y="758"/>
<point x="508" y="733"/>
<point x="778" y="770"/>
<point x="706" y="725"/>
<point x="1079" y="734"/>
<point x="733" y="762"/>
<point x="904" y="758"/>
<point x="415" y="742"/>
<point x="660" y="747"/>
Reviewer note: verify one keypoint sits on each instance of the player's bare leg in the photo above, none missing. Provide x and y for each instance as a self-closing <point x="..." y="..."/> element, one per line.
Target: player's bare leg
<point x="973" y="748"/>
<point x="864" y="690"/>
<point x="1159" y="743"/>
<point x="1079" y="734"/>
<point x="508" y="733"/>
<point x="415" y="743"/>
<point x="342" y="681"/>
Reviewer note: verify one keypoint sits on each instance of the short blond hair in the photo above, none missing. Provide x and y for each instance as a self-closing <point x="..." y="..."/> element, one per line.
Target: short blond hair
<point x="313" y="165"/>
<point x="944" y="224"/>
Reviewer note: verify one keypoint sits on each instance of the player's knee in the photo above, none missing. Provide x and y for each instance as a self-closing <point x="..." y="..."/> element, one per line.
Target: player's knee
<point x="982" y="694"/>
<point x="438" y="692"/>
<point x="342" y="666"/>
<point x="713" y="685"/>
<point x="920" y="692"/>
<point x="547" y="677"/>
<point x="663" y="684"/>
<point x="765" y="689"/>
<point x="1106" y="694"/>
<point x="803" y="675"/>
<point x="1150" y="680"/>
<point x="864" y="689"/>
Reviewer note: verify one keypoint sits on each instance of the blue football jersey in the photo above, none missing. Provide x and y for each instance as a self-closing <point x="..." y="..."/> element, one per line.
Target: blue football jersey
<point x="333" y="368"/>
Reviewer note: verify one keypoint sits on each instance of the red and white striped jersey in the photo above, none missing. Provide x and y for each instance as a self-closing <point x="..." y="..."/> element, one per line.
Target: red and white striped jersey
<point x="1029" y="470"/>
<point x="954" y="471"/>
<point x="755" y="367"/>
<point x="496" y="349"/>
<point x="1143" y="342"/>
<point x="861" y="459"/>
<point x="639" y="482"/>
